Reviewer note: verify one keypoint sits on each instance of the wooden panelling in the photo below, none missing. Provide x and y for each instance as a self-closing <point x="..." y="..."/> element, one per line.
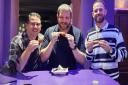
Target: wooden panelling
<point x="121" y="20"/>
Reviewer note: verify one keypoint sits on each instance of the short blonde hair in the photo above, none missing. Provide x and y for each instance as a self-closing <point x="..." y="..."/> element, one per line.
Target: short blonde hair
<point x="64" y="7"/>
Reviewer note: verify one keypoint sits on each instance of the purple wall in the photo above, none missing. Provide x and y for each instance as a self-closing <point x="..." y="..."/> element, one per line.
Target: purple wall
<point x="110" y="4"/>
<point x="6" y="29"/>
<point x="1" y="28"/>
<point x="8" y="26"/>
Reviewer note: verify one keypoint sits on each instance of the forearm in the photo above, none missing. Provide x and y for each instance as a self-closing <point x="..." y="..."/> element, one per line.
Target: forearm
<point x="79" y="56"/>
<point x="23" y="59"/>
<point x="121" y="48"/>
<point x="122" y="54"/>
<point x="46" y="52"/>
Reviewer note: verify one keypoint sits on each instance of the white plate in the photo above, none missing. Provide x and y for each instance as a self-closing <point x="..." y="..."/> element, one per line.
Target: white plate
<point x="59" y="71"/>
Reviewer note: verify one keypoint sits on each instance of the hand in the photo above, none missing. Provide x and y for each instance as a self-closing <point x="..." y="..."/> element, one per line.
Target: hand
<point x="33" y="44"/>
<point x="71" y="41"/>
<point x="89" y="45"/>
<point x="40" y="38"/>
<point x="105" y="45"/>
<point x="55" y="36"/>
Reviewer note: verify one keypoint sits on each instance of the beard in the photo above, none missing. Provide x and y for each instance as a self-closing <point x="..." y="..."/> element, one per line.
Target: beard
<point x="64" y="26"/>
<point x="99" y="19"/>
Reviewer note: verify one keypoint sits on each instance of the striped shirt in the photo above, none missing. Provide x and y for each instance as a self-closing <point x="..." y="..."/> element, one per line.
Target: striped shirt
<point x="108" y="62"/>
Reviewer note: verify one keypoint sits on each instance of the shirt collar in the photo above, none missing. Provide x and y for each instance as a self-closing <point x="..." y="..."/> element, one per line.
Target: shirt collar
<point x="103" y="28"/>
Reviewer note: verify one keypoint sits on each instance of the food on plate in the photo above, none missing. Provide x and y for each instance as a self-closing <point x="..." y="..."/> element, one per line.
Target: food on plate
<point x="59" y="70"/>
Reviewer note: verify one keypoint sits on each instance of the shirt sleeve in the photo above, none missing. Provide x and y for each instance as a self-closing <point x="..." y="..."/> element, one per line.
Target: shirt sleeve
<point x="14" y="51"/>
<point x="81" y="45"/>
<point x="46" y="39"/>
<point x="89" y="55"/>
<point x="121" y="51"/>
